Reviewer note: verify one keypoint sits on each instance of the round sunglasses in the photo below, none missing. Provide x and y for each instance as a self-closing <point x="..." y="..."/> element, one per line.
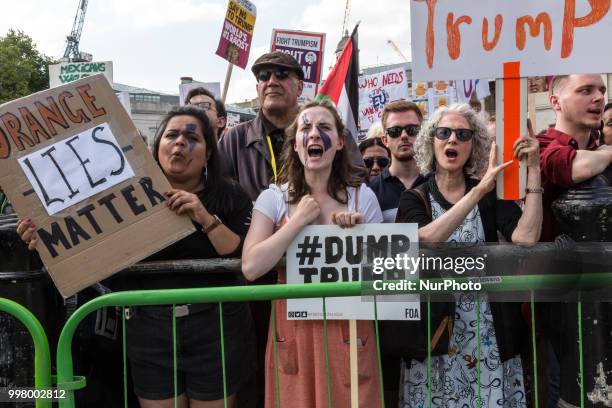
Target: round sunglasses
<point x="463" y="135"/>
<point x="381" y="161"/>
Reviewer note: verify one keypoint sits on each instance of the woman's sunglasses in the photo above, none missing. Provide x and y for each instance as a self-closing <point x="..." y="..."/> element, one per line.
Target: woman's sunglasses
<point x="443" y="133"/>
<point x="382" y="162"/>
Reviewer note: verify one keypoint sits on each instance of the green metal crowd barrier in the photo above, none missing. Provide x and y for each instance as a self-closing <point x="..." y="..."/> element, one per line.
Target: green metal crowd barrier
<point x="528" y="283"/>
<point x="67" y="381"/>
<point x="42" y="354"/>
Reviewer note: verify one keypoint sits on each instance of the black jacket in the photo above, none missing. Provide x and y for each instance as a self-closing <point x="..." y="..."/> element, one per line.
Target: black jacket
<point x="409" y="339"/>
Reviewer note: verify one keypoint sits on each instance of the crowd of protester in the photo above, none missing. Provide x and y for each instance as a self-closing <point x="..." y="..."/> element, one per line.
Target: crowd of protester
<point x="294" y="166"/>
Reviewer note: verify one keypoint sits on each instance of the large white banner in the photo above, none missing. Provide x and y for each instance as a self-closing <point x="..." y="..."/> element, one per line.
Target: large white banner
<point x="377" y="90"/>
<point x="474" y="38"/>
<point x="328" y="253"/>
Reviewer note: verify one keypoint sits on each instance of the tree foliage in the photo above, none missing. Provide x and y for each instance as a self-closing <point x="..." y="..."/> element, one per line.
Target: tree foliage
<point x="23" y="70"/>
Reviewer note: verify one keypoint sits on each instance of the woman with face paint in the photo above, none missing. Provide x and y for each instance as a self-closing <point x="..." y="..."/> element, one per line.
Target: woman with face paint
<point x="186" y="150"/>
<point x="315" y="186"/>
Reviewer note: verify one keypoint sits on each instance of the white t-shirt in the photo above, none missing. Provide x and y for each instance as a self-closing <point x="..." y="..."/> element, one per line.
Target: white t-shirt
<point x="274" y="203"/>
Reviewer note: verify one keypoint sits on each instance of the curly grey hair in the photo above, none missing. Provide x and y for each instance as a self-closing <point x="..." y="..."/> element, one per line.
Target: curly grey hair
<point x="481" y="143"/>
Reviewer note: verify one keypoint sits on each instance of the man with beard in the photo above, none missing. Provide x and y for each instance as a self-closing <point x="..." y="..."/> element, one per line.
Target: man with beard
<point x="401" y="121"/>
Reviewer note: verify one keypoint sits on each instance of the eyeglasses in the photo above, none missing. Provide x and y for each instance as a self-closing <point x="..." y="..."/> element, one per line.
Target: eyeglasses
<point x="443" y="133"/>
<point x="396" y="131"/>
<point x="381" y="161"/>
<point x="204" y="106"/>
<point x="280" y="73"/>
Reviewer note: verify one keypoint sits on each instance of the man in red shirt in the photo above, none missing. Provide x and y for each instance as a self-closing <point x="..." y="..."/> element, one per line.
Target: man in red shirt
<point x="568" y="156"/>
<point x="568" y="152"/>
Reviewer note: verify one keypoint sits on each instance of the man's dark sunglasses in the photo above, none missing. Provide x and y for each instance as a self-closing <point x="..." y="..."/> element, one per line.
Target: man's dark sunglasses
<point x="396" y="131"/>
<point x="382" y="162"/>
<point x="280" y="73"/>
<point x="443" y="133"/>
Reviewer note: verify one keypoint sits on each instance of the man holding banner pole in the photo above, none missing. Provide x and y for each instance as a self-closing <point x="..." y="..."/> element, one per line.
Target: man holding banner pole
<point x="568" y="152"/>
<point x="568" y="156"/>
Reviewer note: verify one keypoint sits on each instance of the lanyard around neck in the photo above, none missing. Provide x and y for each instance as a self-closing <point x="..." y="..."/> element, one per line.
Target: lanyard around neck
<point x="272" y="157"/>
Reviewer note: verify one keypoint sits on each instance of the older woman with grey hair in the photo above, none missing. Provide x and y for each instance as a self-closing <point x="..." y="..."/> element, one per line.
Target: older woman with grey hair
<point x="457" y="203"/>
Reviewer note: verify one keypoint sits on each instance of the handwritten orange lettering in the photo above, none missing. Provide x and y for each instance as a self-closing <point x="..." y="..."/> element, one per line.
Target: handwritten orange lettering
<point x="543" y="19"/>
<point x="430" y="36"/>
<point x="599" y="8"/>
<point x="13" y="125"/>
<point x="453" y="35"/>
<point x="486" y="44"/>
<point x="5" y="147"/>
<point x="36" y="129"/>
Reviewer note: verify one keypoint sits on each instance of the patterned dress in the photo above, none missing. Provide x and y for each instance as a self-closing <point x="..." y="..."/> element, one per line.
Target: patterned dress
<point x="454" y="378"/>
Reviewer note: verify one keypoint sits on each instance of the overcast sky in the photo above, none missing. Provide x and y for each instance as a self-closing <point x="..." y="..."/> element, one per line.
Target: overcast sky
<point x="152" y="43"/>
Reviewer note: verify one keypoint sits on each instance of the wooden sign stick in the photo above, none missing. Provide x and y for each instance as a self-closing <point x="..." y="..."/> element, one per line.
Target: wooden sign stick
<point x="510" y="124"/>
<point x="353" y="363"/>
<point x="228" y="76"/>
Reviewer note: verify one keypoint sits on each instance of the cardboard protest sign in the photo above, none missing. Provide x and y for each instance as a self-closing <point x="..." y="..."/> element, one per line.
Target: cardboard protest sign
<point x="473" y="38"/>
<point x="307" y="48"/>
<point x="214" y="87"/>
<point x="376" y="91"/>
<point x="237" y="32"/>
<point x="327" y="253"/>
<point x="73" y="162"/>
<point x="65" y="72"/>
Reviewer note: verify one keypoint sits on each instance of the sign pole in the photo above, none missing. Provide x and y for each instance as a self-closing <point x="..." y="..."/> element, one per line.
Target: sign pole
<point x="510" y="124"/>
<point x="531" y="109"/>
<point x="353" y="363"/>
<point x="228" y="76"/>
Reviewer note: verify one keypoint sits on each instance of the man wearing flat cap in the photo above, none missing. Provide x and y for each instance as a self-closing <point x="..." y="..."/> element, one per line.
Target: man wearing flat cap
<point x="253" y="148"/>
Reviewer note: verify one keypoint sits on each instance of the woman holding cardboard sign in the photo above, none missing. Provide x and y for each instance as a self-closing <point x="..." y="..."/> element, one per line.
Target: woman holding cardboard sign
<point x="315" y="186"/>
<point x="186" y="150"/>
<point x="457" y="204"/>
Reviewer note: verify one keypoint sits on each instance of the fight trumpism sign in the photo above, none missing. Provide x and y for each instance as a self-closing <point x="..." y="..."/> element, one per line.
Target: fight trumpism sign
<point x="307" y="48"/>
<point x="328" y="253"/>
<point x="474" y="38"/>
<point x="237" y="32"/>
<point x="73" y="162"/>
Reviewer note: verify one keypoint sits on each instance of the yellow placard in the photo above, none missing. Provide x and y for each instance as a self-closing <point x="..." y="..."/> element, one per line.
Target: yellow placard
<point x="240" y="17"/>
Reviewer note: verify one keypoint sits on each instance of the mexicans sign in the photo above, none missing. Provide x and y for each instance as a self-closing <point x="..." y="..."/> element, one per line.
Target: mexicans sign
<point x="65" y="72"/>
<point x="307" y="48"/>
<point x="73" y="162"/>
<point x="473" y="38"/>
<point x="328" y="253"/>
<point x="237" y="32"/>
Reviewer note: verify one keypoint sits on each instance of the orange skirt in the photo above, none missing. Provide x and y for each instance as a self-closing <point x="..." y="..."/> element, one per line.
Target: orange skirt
<point x="302" y="372"/>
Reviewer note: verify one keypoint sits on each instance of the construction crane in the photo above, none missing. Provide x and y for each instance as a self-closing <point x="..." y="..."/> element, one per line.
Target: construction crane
<point x="397" y="50"/>
<point x="347" y="12"/>
<point x="72" y="52"/>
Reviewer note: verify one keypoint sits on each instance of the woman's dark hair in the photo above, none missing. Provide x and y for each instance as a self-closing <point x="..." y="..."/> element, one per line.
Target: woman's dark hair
<point x="601" y="127"/>
<point x="375" y="141"/>
<point x="215" y="183"/>
<point x="292" y="171"/>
